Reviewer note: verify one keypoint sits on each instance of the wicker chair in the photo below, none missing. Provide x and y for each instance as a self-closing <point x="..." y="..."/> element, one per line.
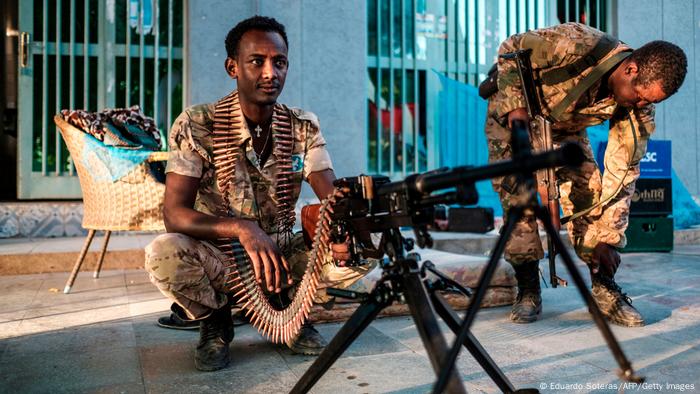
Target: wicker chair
<point x="132" y="203"/>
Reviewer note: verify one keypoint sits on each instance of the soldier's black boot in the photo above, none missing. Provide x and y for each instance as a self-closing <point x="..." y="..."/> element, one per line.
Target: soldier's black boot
<point x="178" y="319"/>
<point x="215" y="334"/>
<point x="615" y="305"/>
<point x="528" y="304"/>
<point x="308" y="342"/>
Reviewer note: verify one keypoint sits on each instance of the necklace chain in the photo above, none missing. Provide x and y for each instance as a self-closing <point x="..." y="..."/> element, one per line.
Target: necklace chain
<point x="262" y="151"/>
<point x="258" y="130"/>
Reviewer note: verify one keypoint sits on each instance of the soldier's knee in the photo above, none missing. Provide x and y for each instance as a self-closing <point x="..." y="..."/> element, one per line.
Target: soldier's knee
<point x="523" y="258"/>
<point x="585" y="254"/>
<point x="524" y="246"/>
<point x="164" y="250"/>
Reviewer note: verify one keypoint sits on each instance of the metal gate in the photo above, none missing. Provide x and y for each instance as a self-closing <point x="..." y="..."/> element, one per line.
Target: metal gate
<point x="411" y="41"/>
<point x="91" y="54"/>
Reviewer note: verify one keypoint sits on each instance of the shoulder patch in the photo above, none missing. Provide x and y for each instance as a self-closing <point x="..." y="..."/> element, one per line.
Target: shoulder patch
<point x="297" y="162"/>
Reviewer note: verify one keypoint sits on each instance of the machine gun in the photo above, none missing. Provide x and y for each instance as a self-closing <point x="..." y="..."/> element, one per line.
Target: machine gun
<point x="541" y="137"/>
<point x="374" y="204"/>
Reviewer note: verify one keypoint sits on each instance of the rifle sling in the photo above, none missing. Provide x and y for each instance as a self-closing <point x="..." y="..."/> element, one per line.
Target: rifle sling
<point x="561" y="74"/>
<point x="587" y="82"/>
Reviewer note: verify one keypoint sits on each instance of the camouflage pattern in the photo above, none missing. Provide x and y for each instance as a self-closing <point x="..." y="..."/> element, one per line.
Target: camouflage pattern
<point x="555" y="47"/>
<point x="189" y="272"/>
<point x="192" y="273"/>
<point x="191" y="154"/>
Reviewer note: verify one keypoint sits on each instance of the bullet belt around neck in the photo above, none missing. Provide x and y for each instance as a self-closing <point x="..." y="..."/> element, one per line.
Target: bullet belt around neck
<point x="229" y="150"/>
<point x="278" y="325"/>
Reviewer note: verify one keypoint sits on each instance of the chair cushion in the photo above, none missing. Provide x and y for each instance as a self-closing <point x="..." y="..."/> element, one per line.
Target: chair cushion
<point x="125" y="128"/>
<point x="142" y="137"/>
<point x="112" y="136"/>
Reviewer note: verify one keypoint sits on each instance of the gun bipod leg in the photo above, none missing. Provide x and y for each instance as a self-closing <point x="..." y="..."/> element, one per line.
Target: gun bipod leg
<point x="514" y="215"/>
<point x="477" y="351"/>
<point x="426" y="323"/>
<point x="378" y="299"/>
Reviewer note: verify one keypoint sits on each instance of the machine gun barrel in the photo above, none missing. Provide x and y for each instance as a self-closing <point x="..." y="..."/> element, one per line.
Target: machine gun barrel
<point x="373" y="204"/>
<point x="567" y="155"/>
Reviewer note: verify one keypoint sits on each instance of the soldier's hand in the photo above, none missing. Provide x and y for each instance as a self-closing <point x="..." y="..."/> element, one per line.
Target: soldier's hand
<point x="341" y="252"/>
<point x="605" y="260"/>
<point x="267" y="260"/>
<point x="517" y="114"/>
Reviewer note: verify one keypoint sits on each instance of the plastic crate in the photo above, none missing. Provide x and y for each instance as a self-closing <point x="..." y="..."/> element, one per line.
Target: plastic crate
<point x="652" y="197"/>
<point x="649" y="234"/>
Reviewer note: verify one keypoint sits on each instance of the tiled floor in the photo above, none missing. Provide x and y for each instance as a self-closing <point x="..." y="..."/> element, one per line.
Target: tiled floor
<point x="102" y="338"/>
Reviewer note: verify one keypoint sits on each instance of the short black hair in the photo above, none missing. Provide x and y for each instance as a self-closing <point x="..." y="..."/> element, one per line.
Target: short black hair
<point x="660" y="61"/>
<point x="257" y="22"/>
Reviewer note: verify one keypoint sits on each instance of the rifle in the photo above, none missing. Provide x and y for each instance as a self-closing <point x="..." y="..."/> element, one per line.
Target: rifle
<point x="541" y="137"/>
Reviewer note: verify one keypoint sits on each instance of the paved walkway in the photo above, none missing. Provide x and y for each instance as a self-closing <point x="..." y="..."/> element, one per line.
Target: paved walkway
<point x="102" y="338"/>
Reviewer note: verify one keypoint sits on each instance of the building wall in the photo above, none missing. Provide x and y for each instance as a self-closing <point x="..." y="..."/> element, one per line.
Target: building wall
<point x="678" y="117"/>
<point x="328" y="67"/>
<point x="327" y="74"/>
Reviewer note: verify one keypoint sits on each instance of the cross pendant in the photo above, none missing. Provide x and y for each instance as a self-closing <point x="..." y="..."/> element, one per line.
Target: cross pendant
<point x="258" y="130"/>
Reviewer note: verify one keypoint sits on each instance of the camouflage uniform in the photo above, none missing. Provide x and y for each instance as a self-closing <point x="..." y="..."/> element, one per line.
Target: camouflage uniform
<point x="580" y="188"/>
<point x="190" y="271"/>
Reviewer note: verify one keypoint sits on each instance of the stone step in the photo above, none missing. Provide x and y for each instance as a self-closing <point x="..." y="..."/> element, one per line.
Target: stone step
<point x="19" y="256"/>
<point x="481" y="244"/>
<point x="125" y="251"/>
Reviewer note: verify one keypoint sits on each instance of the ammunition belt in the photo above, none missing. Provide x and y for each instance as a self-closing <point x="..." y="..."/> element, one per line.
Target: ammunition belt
<point x="277" y="325"/>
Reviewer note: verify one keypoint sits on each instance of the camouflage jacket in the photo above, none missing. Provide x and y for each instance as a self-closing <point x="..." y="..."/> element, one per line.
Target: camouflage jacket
<point x="558" y="46"/>
<point x="191" y="154"/>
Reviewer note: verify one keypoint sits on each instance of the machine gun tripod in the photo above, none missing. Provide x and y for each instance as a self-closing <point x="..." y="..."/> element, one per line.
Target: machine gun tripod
<point x="375" y="205"/>
<point x="404" y="279"/>
<point x="530" y="205"/>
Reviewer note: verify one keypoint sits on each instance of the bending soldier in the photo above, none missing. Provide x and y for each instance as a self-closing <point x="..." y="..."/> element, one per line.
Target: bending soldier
<point x="243" y="190"/>
<point x="585" y="77"/>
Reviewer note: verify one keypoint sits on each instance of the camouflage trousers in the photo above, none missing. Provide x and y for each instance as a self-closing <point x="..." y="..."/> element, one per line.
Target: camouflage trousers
<point x="579" y="188"/>
<point x="191" y="272"/>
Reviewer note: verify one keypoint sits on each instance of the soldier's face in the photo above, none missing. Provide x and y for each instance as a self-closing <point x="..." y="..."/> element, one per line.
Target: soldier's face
<point x="633" y="95"/>
<point x="629" y="94"/>
<point x="260" y="67"/>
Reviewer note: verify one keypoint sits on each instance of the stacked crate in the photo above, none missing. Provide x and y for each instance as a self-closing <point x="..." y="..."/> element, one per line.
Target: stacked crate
<point x="650" y="226"/>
